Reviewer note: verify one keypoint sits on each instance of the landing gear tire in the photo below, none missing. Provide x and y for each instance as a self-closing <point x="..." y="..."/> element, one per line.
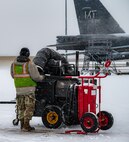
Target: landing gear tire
<point x="52" y="117"/>
<point x="105" y="120"/>
<point x="89" y="122"/>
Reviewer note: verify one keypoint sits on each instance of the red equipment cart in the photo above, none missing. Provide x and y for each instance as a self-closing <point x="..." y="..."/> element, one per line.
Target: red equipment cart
<point x="92" y="119"/>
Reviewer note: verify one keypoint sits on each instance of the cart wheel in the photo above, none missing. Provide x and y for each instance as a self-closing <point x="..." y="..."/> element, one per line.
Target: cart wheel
<point x="52" y="117"/>
<point x="89" y="122"/>
<point x="68" y="121"/>
<point x="105" y="120"/>
<point x="15" y="122"/>
<point x="68" y="118"/>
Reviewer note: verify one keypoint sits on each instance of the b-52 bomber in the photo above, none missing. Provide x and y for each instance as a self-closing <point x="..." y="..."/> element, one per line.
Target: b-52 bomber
<point x="100" y="38"/>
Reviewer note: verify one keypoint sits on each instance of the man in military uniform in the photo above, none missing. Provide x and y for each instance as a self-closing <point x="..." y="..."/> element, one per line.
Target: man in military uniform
<point x="25" y="74"/>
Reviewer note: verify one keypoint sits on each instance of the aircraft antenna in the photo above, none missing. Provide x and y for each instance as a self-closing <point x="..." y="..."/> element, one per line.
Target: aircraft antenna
<point x="66" y="23"/>
<point x="65" y="17"/>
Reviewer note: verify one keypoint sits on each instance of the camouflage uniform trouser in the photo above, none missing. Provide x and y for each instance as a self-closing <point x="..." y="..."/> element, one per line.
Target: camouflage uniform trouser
<point x="25" y="106"/>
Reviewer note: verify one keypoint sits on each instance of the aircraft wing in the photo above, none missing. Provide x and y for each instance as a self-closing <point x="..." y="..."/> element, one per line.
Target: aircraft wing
<point x="123" y="48"/>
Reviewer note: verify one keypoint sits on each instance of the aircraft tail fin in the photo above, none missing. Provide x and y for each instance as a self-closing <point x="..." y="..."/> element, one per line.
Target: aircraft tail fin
<point x="93" y="18"/>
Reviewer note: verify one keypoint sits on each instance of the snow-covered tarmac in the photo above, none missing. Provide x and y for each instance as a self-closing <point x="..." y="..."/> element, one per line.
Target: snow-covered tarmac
<point x="115" y="99"/>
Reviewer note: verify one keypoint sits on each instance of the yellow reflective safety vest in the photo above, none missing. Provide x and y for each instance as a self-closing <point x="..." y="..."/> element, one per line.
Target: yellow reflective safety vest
<point x="21" y="75"/>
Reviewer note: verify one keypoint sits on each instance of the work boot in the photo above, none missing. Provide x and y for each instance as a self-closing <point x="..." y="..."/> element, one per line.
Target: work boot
<point x="22" y="123"/>
<point x="31" y="128"/>
<point x="27" y="127"/>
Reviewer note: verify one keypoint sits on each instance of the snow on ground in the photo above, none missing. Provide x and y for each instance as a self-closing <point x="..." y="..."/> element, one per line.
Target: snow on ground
<point x="115" y="99"/>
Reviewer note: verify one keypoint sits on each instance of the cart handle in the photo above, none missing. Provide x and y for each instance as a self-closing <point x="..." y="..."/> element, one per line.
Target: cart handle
<point x="82" y="76"/>
<point x="95" y="76"/>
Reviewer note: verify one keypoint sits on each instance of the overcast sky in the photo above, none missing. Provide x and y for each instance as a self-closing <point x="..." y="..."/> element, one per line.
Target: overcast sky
<point x="36" y="23"/>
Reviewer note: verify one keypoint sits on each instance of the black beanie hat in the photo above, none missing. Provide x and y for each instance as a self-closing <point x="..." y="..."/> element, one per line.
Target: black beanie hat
<point x="25" y="52"/>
